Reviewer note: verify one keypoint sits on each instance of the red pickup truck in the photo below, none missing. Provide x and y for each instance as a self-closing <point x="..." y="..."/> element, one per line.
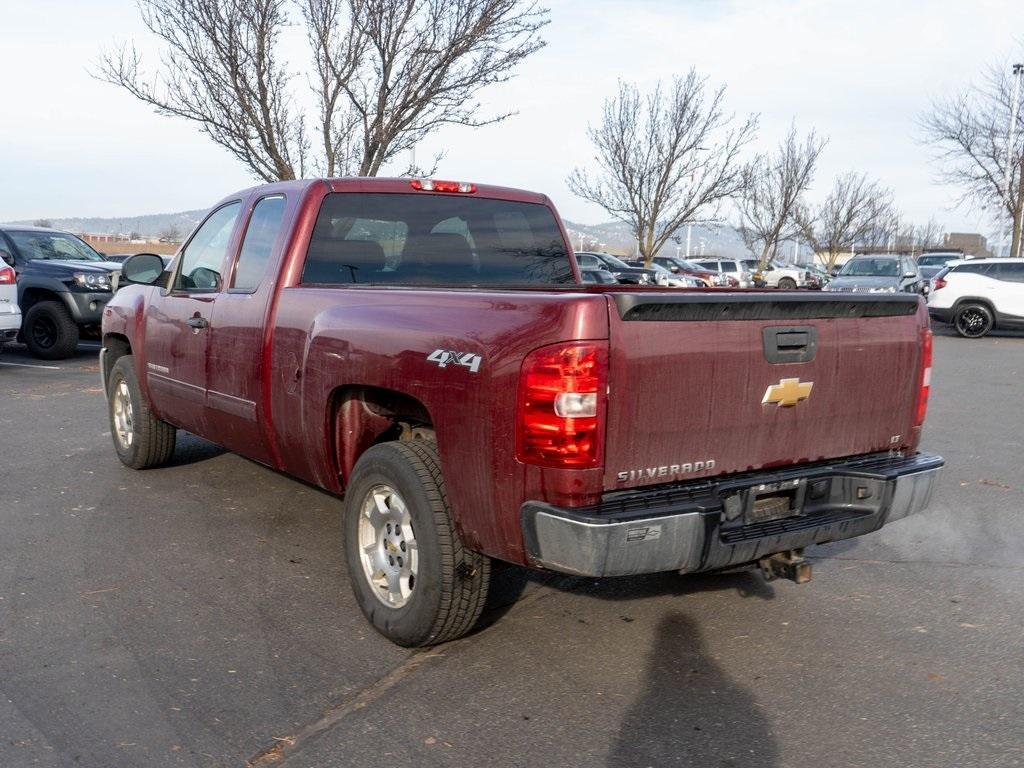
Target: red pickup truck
<point x="425" y="349"/>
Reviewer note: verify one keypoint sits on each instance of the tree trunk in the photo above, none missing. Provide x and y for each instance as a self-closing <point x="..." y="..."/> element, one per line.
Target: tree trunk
<point x="1018" y="218"/>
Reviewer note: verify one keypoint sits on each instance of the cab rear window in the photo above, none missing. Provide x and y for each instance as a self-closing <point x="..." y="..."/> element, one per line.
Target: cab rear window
<point x="426" y="239"/>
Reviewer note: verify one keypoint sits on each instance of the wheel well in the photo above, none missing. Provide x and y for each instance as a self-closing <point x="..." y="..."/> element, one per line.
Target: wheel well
<point x="361" y="417"/>
<point x="35" y="295"/>
<point x="117" y="346"/>
<point x="971" y="300"/>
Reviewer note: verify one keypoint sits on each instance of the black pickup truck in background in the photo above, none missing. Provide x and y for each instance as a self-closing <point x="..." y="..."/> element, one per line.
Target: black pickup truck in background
<point x="63" y="285"/>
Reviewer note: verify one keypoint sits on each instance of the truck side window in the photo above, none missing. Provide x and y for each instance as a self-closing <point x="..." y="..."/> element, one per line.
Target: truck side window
<point x="258" y="243"/>
<point x="203" y="257"/>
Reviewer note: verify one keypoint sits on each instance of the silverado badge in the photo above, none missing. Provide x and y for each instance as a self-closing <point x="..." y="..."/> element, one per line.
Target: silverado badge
<point x="788" y="392"/>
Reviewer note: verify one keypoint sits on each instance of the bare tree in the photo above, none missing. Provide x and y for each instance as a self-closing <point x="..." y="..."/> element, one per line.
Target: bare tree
<point x="772" y="187"/>
<point x="42" y="223"/>
<point x="665" y="159"/>
<point x="221" y="71"/>
<point x="915" y="238"/>
<point x="388" y="73"/>
<point x="397" y="70"/>
<point x="970" y="133"/>
<point x="857" y="209"/>
<point x="171" y="233"/>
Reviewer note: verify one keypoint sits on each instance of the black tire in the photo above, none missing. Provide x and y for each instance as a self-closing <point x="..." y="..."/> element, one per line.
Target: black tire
<point x="152" y="440"/>
<point x="973" y="320"/>
<point x="787" y="283"/>
<point x="450" y="585"/>
<point x="49" y="332"/>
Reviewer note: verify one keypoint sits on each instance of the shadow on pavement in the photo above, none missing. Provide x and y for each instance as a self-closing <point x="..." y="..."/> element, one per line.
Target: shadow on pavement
<point x="691" y="713"/>
<point x="744" y="583"/>
<point x="189" y="449"/>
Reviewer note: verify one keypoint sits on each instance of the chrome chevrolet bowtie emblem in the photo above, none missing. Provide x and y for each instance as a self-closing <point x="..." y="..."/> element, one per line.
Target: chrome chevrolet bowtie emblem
<point x="787" y="392"/>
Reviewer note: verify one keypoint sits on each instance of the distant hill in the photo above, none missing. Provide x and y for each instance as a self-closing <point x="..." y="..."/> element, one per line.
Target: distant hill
<point x="612" y="236"/>
<point x="149" y="225"/>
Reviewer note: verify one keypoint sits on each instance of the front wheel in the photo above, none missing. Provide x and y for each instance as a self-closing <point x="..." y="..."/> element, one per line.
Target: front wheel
<point x="412" y="578"/>
<point x="973" y="321"/>
<point x="787" y="283"/>
<point x="49" y="331"/>
<point x="140" y="438"/>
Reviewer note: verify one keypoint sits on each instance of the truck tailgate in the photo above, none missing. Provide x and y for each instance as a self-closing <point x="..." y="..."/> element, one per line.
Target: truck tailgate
<point x="697" y="381"/>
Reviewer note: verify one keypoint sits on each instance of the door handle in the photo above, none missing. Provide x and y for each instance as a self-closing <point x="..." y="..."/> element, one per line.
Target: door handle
<point x="198" y="322"/>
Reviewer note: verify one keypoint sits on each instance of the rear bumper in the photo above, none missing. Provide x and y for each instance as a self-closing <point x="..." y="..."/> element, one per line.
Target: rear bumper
<point x="707" y="525"/>
<point x="942" y="314"/>
<point x="10" y="324"/>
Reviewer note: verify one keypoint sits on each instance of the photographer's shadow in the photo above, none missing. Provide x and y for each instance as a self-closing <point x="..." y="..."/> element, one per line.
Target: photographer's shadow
<point x="690" y="712"/>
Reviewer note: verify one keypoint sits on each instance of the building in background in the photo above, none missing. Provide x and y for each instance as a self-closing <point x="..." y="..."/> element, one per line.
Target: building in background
<point x="971" y="243"/>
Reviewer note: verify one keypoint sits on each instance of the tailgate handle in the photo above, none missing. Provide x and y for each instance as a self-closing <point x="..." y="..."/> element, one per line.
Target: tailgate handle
<point x="790" y="344"/>
<point x="791" y="339"/>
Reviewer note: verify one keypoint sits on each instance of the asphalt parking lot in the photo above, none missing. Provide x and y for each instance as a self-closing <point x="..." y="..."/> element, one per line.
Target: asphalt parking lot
<point x="199" y="615"/>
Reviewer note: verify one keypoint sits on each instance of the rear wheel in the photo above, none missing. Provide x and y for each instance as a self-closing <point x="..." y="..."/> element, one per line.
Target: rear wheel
<point x="787" y="283"/>
<point x="49" y="331"/>
<point x="412" y="578"/>
<point x="140" y="438"/>
<point x="973" y="320"/>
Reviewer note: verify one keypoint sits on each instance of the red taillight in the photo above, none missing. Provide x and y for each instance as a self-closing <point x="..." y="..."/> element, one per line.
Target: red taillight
<point x="940" y="282"/>
<point x="7" y="276"/>
<point x="925" y="381"/>
<point x="436" y="185"/>
<point x="562" y="402"/>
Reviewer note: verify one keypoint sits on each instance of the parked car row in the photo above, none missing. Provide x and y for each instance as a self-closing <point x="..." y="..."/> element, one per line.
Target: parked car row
<point x="53" y="285"/>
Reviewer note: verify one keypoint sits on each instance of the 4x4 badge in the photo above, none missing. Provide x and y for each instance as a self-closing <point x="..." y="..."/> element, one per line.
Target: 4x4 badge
<point x="446" y="357"/>
<point x="787" y="393"/>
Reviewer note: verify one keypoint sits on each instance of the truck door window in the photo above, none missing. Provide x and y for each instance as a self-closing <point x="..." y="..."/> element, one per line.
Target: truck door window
<point x="258" y="245"/>
<point x="203" y="257"/>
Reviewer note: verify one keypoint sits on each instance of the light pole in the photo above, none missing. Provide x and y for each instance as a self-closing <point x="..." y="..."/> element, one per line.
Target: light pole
<point x="689" y="234"/>
<point x="1018" y="70"/>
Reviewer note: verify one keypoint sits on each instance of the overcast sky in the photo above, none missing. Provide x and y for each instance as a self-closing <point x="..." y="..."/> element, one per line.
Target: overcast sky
<point x="857" y="72"/>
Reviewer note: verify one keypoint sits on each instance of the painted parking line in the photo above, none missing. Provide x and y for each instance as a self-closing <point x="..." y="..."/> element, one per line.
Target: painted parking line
<point x="29" y="365"/>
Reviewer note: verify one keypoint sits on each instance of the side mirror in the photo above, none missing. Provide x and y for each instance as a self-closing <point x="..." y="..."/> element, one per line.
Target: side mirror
<point x="910" y="274"/>
<point x="142" y="268"/>
<point x="205" y="279"/>
<point x="834" y="271"/>
<point x="675" y="268"/>
<point x="6" y="257"/>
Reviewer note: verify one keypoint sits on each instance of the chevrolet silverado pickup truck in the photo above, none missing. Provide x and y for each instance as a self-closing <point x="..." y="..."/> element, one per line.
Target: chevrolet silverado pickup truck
<point x="426" y="350"/>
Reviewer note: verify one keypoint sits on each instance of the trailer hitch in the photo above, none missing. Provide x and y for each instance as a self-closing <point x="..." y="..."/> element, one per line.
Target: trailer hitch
<point x="790" y="565"/>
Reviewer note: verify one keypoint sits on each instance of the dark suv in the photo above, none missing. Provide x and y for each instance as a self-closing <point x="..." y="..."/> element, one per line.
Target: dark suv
<point x="63" y="285"/>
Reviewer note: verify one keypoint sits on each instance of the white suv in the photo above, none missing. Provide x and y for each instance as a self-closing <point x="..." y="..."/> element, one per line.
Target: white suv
<point x="10" y="315"/>
<point x="979" y="295"/>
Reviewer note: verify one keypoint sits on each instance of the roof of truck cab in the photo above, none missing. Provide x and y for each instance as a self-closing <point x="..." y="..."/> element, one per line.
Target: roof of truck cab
<point x="402" y="185"/>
